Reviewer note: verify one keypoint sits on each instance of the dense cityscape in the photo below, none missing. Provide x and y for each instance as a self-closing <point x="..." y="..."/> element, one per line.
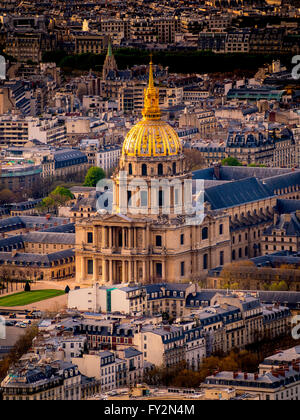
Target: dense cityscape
<point x="149" y="201"/>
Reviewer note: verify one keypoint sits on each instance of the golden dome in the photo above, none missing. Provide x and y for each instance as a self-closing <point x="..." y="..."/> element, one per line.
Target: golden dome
<point x="151" y="136"/>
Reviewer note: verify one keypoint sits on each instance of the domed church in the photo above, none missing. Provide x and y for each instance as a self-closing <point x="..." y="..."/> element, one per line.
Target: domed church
<point x="146" y="237"/>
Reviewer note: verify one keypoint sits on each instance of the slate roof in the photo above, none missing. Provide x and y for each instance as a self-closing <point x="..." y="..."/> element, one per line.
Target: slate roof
<point x="35" y="259"/>
<point x="207" y="174"/>
<point x="252" y="381"/>
<point x="203" y="296"/>
<point x="21" y="222"/>
<point x="50" y="238"/>
<point x="287" y="206"/>
<point x="282" y="181"/>
<point x="13" y="242"/>
<point x="67" y="228"/>
<point x="131" y="352"/>
<point x="291" y="227"/>
<point x="25" y="205"/>
<point x="67" y="154"/>
<point x="235" y="193"/>
<point x="235" y="173"/>
<point x="11" y="223"/>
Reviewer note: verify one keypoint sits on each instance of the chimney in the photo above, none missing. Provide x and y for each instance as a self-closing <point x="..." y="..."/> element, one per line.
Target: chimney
<point x="217" y="171"/>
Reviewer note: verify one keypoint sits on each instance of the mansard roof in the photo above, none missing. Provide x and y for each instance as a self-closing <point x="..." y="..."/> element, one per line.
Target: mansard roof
<point x="281" y="182"/>
<point x="235" y="193"/>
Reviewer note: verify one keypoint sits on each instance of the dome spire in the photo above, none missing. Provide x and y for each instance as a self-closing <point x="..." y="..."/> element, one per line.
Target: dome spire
<point x="151" y="109"/>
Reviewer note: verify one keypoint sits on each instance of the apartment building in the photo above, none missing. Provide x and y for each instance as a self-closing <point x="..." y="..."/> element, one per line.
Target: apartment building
<point x="101" y="365"/>
<point x="17" y="131"/>
<point x="204" y="121"/>
<point x="29" y="46"/>
<point x="283" y="235"/>
<point x="238" y="41"/>
<point x="149" y="299"/>
<point x="89" y="43"/>
<point x="108" y="157"/>
<point x="279" y="384"/>
<point x="168" y="342"/>
<point x="56" y="381"/>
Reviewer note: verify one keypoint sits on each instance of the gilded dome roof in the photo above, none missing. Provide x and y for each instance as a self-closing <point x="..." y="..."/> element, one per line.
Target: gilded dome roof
<point x="151" y="136"/>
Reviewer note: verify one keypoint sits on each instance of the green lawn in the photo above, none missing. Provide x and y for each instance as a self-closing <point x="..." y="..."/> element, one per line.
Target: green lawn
<point x="25" y="298"/>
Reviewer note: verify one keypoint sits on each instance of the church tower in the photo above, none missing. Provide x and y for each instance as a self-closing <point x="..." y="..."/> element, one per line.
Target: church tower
<point x="110" y="64"/>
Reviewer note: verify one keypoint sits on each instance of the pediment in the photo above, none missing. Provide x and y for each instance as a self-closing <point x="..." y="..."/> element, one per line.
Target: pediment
<point x="116" y="218"/>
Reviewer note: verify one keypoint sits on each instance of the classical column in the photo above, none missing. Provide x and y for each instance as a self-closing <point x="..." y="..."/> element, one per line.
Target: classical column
<point x="95" y="269"/>
<point x="129" y="271"/>
<point x="151" y="269"/>
<point x="136" y="274"/>
<point x="104" y="237"/>
<point x="131" y="245"/>
<point x="110" y="271"/>
<point x="123" y="271"/>
<point x="144" y="271"/>
<point x="111" y="237"/>
<point x="83" y="269"/>
<point x="163" y="270"/>
<point x="104" y="272"/>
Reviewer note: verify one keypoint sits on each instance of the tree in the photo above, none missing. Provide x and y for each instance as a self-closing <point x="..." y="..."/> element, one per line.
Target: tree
<point x="27" y="287"/>
<point x="6" y="196"/>
<point x="93" y="176"/>
<point x="194" y="159"/>
<point x="62" y="192"/>
<point x="281" y="286"/>
<point x="231" y="161"/>
<point x="21" y="347"/>
<point x="57" y="198"/>
<point x="67" y="289"/>
<point x="254" y="165"/>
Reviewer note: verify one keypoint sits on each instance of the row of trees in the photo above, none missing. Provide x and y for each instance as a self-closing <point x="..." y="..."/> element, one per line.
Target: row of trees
<point x="181" y="376"/>
<point x="21" y="347"/>
<point x="246" y="360"/>
<point x="181" y="61"/>
<point x="239" y="275"/>
<point x="232" y="161"/>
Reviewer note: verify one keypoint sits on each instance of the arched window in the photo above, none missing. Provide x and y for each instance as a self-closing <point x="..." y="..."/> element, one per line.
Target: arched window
<point x="204" y="233"/>
<point x="205" y="261"/>
<point x="130" y="169"/>
<point x="160" y="169"/>
<point x="144" y="169"/>
<point x="174" y="168"/>
<point x="233" y="255"/>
